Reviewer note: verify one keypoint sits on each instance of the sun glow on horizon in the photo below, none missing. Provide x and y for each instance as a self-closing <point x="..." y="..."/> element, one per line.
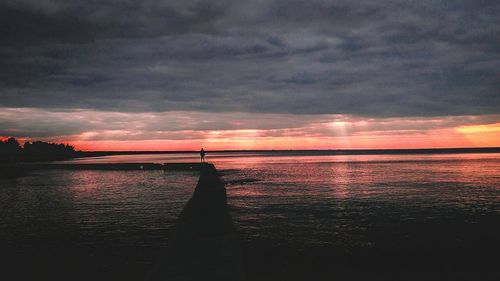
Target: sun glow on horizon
<point x="182" y="130"/>
<point x="470" y="136"/>
<point x="257" y="139"/>
<point x="474" y="129"/>
<point x="481" y="135"/>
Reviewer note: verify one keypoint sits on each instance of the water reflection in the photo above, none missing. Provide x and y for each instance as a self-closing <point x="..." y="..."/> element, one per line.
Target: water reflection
<point x="329" y="199"/>
<point x="90" y="224"/>
<point x="385" y="208"/>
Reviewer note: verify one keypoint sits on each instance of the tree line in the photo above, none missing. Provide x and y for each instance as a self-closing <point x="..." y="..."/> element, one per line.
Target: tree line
<point x="12" y="151"/>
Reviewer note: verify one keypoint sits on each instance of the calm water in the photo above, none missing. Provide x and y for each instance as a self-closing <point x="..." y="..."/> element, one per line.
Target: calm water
<point x="335" y="216"/>
<point x="87" y="225"/>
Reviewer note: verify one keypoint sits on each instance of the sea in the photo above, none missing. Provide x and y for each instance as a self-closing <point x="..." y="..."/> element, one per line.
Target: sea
<point x="298" y="216"/>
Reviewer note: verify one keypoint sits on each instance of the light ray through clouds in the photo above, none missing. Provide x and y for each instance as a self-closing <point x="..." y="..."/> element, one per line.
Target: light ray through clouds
<point x="97" y="130"/>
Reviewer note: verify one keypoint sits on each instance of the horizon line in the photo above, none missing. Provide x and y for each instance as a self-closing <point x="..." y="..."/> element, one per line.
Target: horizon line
<point x="493" y="148"/>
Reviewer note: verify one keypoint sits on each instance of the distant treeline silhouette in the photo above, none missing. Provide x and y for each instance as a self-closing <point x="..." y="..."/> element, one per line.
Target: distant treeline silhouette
<point x="12" y="151"/>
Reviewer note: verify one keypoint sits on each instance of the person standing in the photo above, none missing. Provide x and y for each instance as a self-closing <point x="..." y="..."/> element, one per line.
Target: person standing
<point x="202" y="155"/>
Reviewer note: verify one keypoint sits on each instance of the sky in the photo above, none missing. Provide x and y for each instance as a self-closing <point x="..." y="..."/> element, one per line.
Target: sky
<point x="255" y="74"/>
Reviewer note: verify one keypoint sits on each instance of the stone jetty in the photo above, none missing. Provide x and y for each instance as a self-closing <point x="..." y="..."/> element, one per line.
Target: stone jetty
<point x="205" y="245"/>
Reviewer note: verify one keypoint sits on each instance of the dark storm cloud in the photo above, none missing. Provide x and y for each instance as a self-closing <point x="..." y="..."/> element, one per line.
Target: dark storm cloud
<point x="371" y="58"/>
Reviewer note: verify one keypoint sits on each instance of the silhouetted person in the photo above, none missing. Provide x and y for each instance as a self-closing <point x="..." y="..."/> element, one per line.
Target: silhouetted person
<point x="202" y="155"/>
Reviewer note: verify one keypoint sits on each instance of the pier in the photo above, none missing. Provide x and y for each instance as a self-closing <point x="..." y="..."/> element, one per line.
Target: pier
<point x="107" y="166"/>
<point x="205" y="245"/>
<point x="22" y="169"/>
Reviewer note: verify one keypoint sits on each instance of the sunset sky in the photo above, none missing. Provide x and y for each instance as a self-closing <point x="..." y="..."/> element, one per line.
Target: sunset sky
<point x="275" y="74"/>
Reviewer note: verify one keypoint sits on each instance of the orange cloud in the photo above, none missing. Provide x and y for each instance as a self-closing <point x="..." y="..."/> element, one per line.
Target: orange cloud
<point x="481" y="135"/>
<point x="95" y="130"/>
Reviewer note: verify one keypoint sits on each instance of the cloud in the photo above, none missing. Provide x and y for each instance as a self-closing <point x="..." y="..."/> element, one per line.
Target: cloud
<point x="375" y="59"/>
<point x="182" y="125"/>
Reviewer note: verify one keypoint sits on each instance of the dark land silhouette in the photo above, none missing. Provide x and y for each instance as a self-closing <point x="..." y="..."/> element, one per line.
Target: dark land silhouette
<point x="11" y="151"/>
